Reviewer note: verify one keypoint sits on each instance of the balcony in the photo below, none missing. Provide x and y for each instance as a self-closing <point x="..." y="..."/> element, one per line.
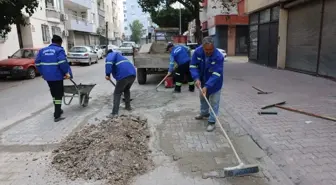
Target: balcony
<point x="101" y="12"/>
<point x="78" y="4"/>
<point x="79" y="24"/>
<point x="53" y="15"/>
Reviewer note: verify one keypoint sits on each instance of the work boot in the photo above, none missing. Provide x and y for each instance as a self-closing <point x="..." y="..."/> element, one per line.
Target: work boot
<point x="191" y="88"/>
<point x="201" y="117"/>
<point x="177" y="89"/>
<point x="58" y="119"/>
<point x="211" y="127"/>
<point x="129" y="108"/>
<point x="111" y="116"/>
<point x="62" y="111"/>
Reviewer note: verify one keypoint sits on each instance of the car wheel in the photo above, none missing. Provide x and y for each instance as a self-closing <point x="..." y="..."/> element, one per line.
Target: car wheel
<point x="31" y="74"/>
<point x="70" y="63"/>
<point x="90" y="63"/>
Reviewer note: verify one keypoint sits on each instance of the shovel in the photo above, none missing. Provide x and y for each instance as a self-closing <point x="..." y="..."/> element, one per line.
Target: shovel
<point x="156" y="88"/>
<point x="115" y="86"/>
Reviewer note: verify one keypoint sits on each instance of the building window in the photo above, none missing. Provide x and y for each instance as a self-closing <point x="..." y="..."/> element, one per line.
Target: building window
<point x="265" y="16"/>
<point x="56" y="31"/>
<point x="275" y="13"/>
<point x="50" y="4"/>
<point x="126" y="28"/>
<point x="45" y="33"/>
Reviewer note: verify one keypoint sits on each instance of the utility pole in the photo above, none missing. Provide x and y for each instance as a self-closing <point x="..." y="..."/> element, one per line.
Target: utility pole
<point x="106" y="33"/>
<point x="180" y="19"/>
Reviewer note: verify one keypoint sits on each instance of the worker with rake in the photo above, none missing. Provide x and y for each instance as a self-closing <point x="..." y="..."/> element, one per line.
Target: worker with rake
<point x="53" y="65"/>
<point x="124" y="72"/>
<point x="206" y="68"/>
<point x="180" y="56"/>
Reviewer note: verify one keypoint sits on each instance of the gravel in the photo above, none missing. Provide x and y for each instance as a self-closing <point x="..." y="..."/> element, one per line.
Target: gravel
<point x="113" y="151"/>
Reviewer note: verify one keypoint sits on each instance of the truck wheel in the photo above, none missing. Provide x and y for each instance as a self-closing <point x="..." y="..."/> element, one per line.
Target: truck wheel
<point x="141" y="75"/>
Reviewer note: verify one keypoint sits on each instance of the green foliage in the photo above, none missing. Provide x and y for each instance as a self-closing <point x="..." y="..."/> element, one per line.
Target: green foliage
<point x="136" y="28"/>
<point x="11" y="13"/>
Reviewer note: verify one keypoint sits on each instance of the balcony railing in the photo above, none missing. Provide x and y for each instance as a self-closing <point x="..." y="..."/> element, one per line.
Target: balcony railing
<point x="79" y="24"/>
<point x="51" y="12"/>
<point x="81" y="3"/>
<point x="101" y="12"/>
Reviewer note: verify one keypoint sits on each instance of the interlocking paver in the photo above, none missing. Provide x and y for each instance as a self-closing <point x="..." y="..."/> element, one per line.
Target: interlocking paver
<point x="288" y="134"/>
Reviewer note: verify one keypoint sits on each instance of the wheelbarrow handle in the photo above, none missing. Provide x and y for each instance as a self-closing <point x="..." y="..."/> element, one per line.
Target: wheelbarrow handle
<point x="112" y="83"/>
<point x="74" y="83"/>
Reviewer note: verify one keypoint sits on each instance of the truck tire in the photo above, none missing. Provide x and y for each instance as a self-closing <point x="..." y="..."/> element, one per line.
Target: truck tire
<point x="141" y="75"/>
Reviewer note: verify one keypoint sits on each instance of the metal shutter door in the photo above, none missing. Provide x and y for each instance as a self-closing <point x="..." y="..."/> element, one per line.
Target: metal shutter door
<point x="327" y="65"/>
<point x="264" y="44"/>
<point x="303" y="35"/>
<point x="79" y="39"/>
<point x="222" y="32"/>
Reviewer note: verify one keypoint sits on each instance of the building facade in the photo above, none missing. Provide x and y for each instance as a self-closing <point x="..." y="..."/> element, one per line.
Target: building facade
<point x="132" y="12"/>
<point x="228" y="26"/>
<point x="48" y="19"/>
<point x="301" y="35"/>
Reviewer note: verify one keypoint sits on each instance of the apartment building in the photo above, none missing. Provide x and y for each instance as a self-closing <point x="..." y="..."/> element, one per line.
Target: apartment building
<point x="228" y="26"/>
<point x="83" y="18"/>
<point x="293" y="34"/>
<point x="132" y="12"/>
<point x="48" y="19"/>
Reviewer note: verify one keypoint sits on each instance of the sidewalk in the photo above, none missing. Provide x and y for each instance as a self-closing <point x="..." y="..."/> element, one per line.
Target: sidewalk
<point x="303" y="147"/>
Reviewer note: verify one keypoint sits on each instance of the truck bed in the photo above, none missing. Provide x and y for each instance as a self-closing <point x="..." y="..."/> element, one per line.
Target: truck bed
<point x="160" y="60"/>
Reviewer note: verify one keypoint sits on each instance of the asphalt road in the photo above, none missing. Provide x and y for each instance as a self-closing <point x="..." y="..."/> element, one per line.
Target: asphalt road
<point x="21" y="98"/>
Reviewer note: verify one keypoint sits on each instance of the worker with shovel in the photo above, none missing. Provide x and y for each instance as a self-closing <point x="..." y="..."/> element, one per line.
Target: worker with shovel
<point x="52" y="64"/>
<point x="206" y="68"/>
<point x="181" y="56"/>
<point x="124" y="72"/>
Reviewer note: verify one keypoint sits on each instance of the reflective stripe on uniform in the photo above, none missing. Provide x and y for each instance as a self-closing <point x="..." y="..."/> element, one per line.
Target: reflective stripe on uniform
<point x="177" y="73"/>
<point x="199" y="58"/>
<point x="178" y="84"/>
<point x="171" y="62"/>
<point x="217" y="74"/>
<point x="58" y="102"/>
<point x="109" y="63"/>
<point x="191" y="83"/>
<point x="193" y="66"/>
<point x="51" y="64"/>
<point x="122" y="61"/>
<point x="213" y="62"/>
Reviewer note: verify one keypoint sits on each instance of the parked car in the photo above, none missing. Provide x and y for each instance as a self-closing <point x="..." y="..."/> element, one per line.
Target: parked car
<point x="114" y="48"/>
<point x="20" y="64"/>
<point x="82" y="55"/>
<point x="127" y="48"/>
<point x="99" y="50"/>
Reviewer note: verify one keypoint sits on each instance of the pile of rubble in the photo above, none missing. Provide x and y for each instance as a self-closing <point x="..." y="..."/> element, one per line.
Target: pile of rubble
<point x="113" y="151"/>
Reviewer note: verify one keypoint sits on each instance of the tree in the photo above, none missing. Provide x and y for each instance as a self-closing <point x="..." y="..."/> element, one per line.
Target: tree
<point x="167" y="18"/>
<point x="194" y="6"/>
<point x="11" y="13"/>
<point x="136" y="29"/>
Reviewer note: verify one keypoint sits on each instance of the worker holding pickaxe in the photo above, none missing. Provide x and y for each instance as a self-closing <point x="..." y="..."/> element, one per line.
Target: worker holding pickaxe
<point x="206" y="68"/>
<point x="124" y="72"/>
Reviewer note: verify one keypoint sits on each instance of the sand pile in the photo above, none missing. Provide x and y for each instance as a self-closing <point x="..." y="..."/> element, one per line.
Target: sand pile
<point x="115" y="151"/>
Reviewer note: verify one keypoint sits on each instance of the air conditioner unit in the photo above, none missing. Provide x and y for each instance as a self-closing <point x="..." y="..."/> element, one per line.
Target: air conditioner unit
<point x="65" y="33"/>
<point x="64" y="17"/>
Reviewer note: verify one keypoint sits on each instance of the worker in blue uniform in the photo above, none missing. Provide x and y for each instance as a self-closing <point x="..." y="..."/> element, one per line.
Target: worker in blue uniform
<point x="124" y="72"/>
<point x="180" y="57"/>
<point x="206" y="68"/>
<point x="52" y="64"/>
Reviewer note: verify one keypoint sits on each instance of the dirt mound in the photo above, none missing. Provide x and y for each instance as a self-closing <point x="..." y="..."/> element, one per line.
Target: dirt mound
<point x="115" y="150"/>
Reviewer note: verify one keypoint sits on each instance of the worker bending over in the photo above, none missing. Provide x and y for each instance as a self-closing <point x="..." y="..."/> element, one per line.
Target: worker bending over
<point x="206" y="68"/>
<point x="53" y="65"/>
<point x="181" y="56"/>
<point x="124" y="72"/>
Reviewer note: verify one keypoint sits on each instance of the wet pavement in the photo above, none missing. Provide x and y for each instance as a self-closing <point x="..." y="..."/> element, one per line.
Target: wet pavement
<point x="183" y="151"/>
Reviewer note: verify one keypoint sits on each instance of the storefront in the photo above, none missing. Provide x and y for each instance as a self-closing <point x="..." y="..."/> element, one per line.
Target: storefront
<point x="311" y="37"/>
<point x="263" y="36"/>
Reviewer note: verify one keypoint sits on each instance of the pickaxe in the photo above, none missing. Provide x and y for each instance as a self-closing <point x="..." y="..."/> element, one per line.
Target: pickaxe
<point x="279" y="105"/>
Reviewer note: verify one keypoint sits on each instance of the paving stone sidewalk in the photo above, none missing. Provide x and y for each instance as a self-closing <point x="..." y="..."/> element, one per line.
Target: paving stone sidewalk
<point x="303" y="147"/>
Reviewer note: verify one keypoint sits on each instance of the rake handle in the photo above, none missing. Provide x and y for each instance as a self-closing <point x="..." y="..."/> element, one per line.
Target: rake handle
<point x="306" y="113"/>
<point x="222" y="128"/>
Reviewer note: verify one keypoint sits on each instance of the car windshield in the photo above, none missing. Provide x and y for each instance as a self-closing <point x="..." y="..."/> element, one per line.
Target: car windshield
<point x="25" y="53"/>
<point x="126" y="45"/>
<point x="78" y="50"/>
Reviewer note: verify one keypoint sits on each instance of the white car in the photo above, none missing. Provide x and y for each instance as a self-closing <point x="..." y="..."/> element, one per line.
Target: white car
<point x="193" y="46"/>
<point x="99" y="51"/>
<point x="82" y="54"/>
<point x="114" y="48"/>
<point x="126" y="48"/>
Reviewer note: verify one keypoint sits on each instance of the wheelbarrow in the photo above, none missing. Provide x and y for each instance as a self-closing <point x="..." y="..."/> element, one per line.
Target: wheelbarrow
<point x="82" y="91"/>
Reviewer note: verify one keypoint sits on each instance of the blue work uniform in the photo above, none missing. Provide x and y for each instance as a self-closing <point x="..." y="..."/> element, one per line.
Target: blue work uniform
<point x="209" y="70"/>
<point x="119" y="66"/>
<point x="179" y="55"/>
<point x="52" y="64"/>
